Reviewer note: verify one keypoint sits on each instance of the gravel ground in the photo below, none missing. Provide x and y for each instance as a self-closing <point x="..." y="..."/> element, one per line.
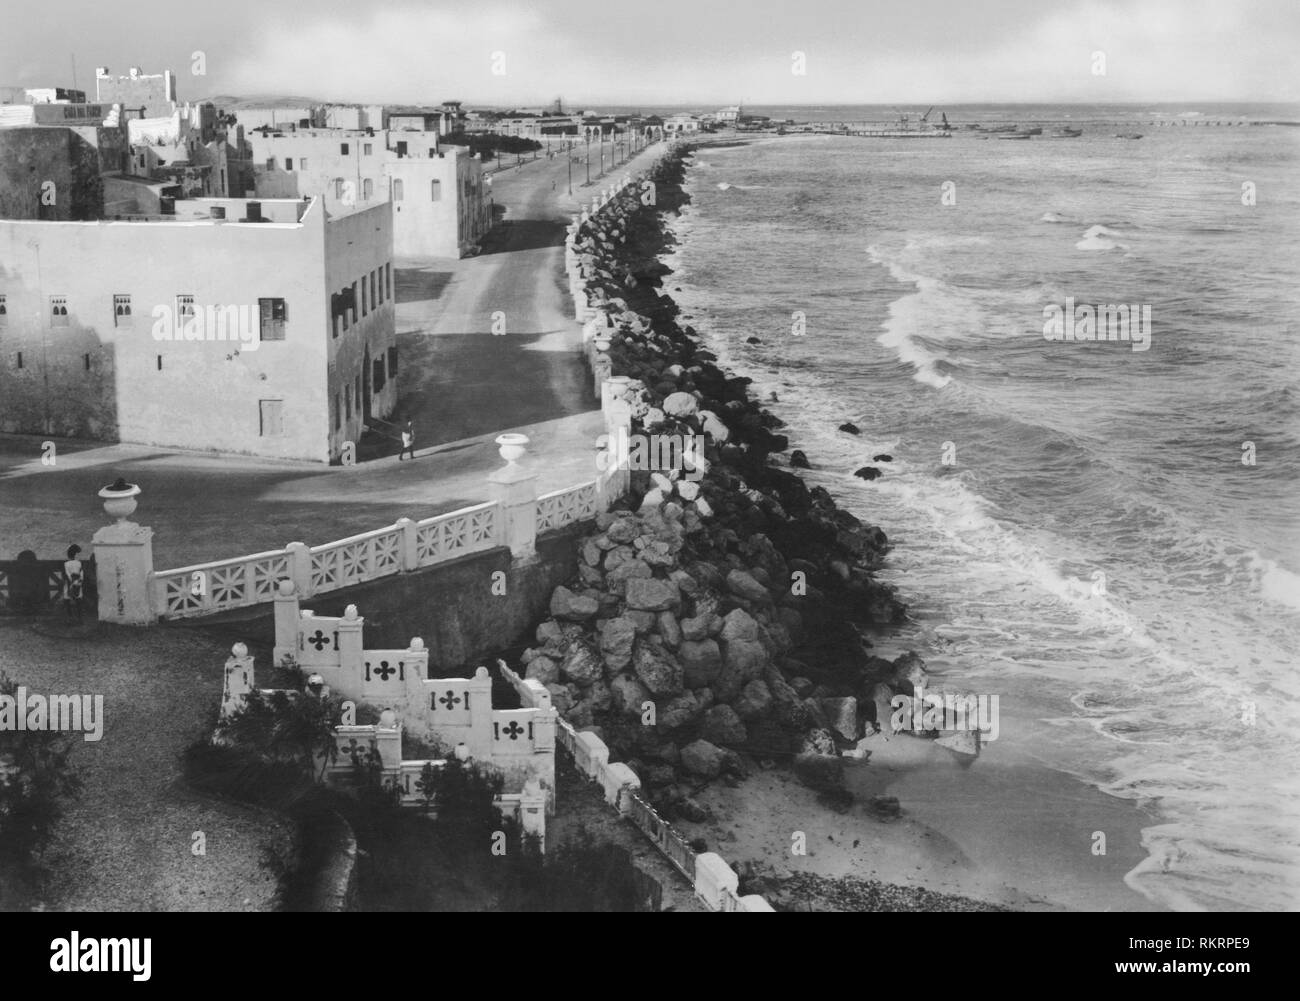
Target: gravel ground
<point x="126" y="843"/>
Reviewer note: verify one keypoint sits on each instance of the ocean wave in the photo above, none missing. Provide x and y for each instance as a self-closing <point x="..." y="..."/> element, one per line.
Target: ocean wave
<point x="1100" y="238"/>
<point x="1058" y="217"/>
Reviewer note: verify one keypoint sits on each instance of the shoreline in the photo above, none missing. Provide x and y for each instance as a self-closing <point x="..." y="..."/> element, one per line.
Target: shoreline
<point x="937" y="844"/>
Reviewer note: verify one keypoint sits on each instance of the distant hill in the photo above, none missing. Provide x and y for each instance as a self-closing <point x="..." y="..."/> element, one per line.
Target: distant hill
<point x="260" y="101"/>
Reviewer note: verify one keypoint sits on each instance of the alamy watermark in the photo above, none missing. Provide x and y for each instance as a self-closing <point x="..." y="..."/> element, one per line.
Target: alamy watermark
<point x="1098" y="323"/>
<point x="67" y="713"/>
<point x="649" y="452"/>
<point x="209" y="323"/>
<point x="921" y="713"/>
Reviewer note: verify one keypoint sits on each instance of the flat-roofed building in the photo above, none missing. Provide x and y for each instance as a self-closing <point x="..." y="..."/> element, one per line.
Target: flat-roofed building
<point x="261" y="328"/>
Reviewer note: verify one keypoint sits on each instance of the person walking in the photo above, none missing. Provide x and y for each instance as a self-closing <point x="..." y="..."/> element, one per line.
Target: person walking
<point x="408" y="442"/>
<point x="74" y="580"/>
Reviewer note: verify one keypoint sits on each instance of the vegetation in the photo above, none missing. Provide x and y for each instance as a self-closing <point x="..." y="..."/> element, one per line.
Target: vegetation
<point x="489" y="145"/>
<point x="35" y="783"/>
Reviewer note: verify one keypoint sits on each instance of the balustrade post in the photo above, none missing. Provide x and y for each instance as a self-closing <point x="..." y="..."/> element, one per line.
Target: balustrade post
<point x="515" y="490"/>
<point x="300" y="567"/>
<point x="124" y="561"/>
<point x="410" y="546"/>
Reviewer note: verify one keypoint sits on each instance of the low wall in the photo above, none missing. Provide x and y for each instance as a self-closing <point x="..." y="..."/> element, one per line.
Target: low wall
<point x="450" y="606"/>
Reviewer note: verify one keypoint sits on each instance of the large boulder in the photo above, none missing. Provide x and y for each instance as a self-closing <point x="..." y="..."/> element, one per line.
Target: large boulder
<point x="669" y="629"/>
<point x="678" y="712"/>
<point x="841" y="715"/>
<point x="581" y="665"/>
<point x="616" y="580"/>
<point x="819" y="741"/>
<point x="681" y="405"/>
<point x="743" y="585"/>
<point x="627" y="695"/>
<point x="657" y="669"/>
<point x="754" y="701"/>
<point x="738" y="624"/>
<point x="747" y="657"/>
<point x="695" y="628"/>
<point x="543" y="669"/>
<point x="702" y="759"/>
<point x="701" y="661"/>
<point x="616" y="638"/>
<point x="651" y="595"/>
<point x="572" y="607"/>
<point x="909" y="671"/>
<point x="721" y="725"/>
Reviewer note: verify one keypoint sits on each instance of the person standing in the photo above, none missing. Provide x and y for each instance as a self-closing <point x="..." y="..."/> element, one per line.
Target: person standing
<point x="74" y="580"/>
<point x="408" y="442"/>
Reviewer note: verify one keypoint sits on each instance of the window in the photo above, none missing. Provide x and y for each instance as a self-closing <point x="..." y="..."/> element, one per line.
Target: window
<point x="338" y="413"/>
<point x="401" y="149"/>
<point x="20" y="359"/>
<point x="288" y="163"/>
<point x="352" y="302"/>
<point x="436" y="192"/>
<point x="58" y="311"/>
<point x="388" y="269"/>
<point x="373" y="300"/>
<point x="86" y="359"/>
<point x="338" y="188"/>
<point x="121" y="311"/>
<point x="367" y="188"/>
<point x="274" y="313"/>
<point x="397" y="189"/>
<point x="184" y="310"/>
<point x="433" y="151"/>
<point x="347" y="402"/>
<point x="365" y="302"/>
<point x="367" y="149"/>
<point x="343" y="149"/>
<point x="270" y="163"/>
<point x="160" y="363"/>
<point x="377" y="374"/>
<point x="357" y="396"/>
<point x="272" y="413"/>
<point x="392" y="362"/>
<point x="302" y="163"/>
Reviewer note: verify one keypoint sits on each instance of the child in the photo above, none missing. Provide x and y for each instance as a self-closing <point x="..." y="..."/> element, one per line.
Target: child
<point x="73" y="582"/>
<point x="408" y="442"/>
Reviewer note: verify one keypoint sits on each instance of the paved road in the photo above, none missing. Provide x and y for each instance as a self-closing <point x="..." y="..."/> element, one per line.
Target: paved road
<point x="462" y="385"/>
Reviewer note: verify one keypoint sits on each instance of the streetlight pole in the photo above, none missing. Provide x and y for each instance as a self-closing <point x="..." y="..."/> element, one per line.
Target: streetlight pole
<point x="568" y="156"/>
<point x="588" y="157"/>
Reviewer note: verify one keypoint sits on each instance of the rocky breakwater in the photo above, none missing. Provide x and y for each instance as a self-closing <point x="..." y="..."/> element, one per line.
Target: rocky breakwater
<point x="717" y="619"/>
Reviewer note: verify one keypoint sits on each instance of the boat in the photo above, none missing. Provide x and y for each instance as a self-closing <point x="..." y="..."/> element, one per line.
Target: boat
<point x="1014" y="135"/>
<point x="1066" y="132"/>
<point x="1128" y="135"/>
<point x="1035" y="131"/>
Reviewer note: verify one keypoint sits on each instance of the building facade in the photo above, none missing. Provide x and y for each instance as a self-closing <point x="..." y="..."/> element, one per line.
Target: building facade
<point x="148" y="95"/>
<point x="267" y="332"/>
<point x="437" y="194"/>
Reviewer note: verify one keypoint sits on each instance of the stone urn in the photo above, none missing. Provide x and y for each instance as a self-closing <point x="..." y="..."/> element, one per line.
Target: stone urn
<point x="120" y="499"/>
<point x="602" y="342"/>
<point x="512" y="446"/>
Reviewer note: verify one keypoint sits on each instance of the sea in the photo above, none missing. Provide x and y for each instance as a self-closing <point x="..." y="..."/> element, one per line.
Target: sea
<point x="1107" y="538"/>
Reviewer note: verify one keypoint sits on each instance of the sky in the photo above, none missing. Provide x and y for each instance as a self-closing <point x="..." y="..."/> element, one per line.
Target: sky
<point x="673" y="52"/>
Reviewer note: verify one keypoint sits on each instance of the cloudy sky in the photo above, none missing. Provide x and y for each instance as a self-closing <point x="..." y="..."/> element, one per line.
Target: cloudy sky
<point x="675" y="51"/>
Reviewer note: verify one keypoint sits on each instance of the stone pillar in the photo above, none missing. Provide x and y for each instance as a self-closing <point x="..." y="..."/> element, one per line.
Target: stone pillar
<point x="124" y="561"/>
<point x="410" y="546"/>
<point x="532" y="811"/>
<point x="286" y="621"/>
<point x="515" y="489"/>
<point x="350" y="654"/>
<point x="238" y="680"/>
<point x="300" y="567"/>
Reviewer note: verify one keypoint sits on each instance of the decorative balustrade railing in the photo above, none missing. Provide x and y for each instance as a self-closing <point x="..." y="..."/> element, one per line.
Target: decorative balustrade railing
<point x="447" y="536"/>
<point x="215" y="587"/>
<point x="356" y="559"/>
<point x="564" y="507"/>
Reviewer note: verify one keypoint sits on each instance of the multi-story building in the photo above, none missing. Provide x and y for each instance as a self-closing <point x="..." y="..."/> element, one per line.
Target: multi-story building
<point x="436" y="194"/>
<point x="262" y="328"/>
<point x="681" y="123"/>
<point x="148" y="96"/>
<point x="53" y="158"/>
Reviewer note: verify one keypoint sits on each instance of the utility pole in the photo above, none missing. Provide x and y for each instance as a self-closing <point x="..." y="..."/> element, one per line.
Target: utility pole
<point x="589" y="157"/>
<point x="568" y="156"/>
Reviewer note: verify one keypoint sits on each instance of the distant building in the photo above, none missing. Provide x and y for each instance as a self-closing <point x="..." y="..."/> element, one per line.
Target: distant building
<point x="281" y="119"/>
<point x="293" y="313"/>
<point x="437" y="193"/>
<point x="152" y="96"/>
<point x="681" y="123"/>
<point x="53" y="158"/>
<point x="728" y="116"/>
